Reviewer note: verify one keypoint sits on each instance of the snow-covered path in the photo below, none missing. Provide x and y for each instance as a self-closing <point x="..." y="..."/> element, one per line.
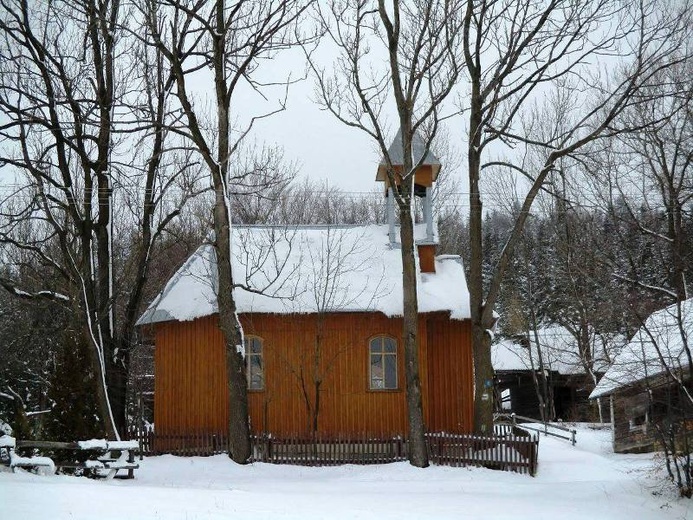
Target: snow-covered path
<point x="581" y="482"/>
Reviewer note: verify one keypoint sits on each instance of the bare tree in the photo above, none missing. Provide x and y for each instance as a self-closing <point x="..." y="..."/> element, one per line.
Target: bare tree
<point x="309" y="202"/>
<point x="82" y="107"/>
<point x="540" y="370"/>
<point x="671" y="401"/>
<point x="418" y="43"/>
<point x="231" y="38"/>
<point x="649" y="193"/>
<point x="516" y="52"/>
<point x="650" y="383"/>
<point x="653" y="174"/>
<point x="329" y="284"/>
<point x="581" y="306"/>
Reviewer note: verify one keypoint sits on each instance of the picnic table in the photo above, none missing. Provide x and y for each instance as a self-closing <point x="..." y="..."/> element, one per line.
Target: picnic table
<point x="97" y="458"/>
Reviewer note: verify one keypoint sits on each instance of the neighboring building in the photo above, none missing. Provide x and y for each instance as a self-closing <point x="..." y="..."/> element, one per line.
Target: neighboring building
<point x="649" y="382"/>
<point x="515" y="361"/>
<point x="318" y="304"/>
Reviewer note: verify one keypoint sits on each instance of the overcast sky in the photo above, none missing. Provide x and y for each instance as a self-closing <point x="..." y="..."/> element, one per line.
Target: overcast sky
<point x="323" y="147"/>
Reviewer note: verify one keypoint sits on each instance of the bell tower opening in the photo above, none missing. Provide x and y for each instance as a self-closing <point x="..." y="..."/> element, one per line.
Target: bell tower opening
<point x="424" y="179"/>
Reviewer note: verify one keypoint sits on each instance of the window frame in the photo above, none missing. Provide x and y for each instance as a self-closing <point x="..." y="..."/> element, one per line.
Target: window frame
<point x="640" y="422"/>
<point x="248" y="365"/>
<point x="381" y="338"/>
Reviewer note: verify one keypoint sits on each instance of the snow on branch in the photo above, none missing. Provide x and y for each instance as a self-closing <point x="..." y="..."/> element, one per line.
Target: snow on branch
<point x="45" y="294"/>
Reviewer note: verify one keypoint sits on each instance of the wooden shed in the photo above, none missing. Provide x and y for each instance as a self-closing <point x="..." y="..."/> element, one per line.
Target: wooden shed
<point x="649" y="383"/>
<point x="554" y="351"/>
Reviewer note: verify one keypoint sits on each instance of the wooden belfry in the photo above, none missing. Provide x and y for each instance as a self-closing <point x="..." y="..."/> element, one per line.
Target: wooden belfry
<point x="425" y="176"/>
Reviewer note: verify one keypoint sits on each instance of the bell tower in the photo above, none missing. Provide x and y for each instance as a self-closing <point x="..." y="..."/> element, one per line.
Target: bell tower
<point x="424" y="178"/>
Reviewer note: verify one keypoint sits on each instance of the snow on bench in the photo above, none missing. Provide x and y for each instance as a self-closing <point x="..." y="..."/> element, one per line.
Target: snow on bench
<point x="93" y="444"/>
<point x="123" y="445"/>
<point x="101" y="462"/>
<point x="32" y="463"/>
<point x="7" y="441"/>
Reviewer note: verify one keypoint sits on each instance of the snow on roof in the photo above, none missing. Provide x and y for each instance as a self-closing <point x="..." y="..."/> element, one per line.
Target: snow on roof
<point x="657" y="346"/>
<point x="287" y="270"/>
<point x="559" y="350"/>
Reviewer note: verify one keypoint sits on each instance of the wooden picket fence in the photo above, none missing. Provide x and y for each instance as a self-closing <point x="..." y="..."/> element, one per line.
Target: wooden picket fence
<point x="506" y="453"/>
<point x="323" y="450"/>
<point x="199" y="444"/>
<point x="504" y="450"/>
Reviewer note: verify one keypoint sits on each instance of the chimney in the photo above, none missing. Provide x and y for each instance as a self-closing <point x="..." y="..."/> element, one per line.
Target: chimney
<point x="427" y="257"/>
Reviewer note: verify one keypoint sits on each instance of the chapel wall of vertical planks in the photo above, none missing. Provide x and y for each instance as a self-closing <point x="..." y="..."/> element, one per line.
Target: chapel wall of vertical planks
<point x="190" y="389"/>
<point x="347" y="404"/>
<point x="450" y="375"/>
<point x="191" y="395"/>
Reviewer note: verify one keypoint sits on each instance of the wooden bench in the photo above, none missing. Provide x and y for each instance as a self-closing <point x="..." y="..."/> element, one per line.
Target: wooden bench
<point x="103" y="459"/>
<point x="8" y="457"/>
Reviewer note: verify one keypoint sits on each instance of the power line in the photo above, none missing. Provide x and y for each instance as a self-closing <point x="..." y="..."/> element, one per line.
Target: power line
<point x="7" y="190"/>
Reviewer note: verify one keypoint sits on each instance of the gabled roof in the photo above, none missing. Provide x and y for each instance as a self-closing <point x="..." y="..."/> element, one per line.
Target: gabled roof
<point x="396" y="154"/>
<point x="658" y="345"/>
<point x="309" y="269"/>
<point x="559" y="350"/>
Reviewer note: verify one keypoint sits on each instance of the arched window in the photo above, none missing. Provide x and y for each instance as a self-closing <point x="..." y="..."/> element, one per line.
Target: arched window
<point x="254" y="364"/>
<point x="383" y="363"/>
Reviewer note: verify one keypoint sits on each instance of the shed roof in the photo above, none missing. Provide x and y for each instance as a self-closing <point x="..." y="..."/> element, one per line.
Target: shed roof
<point x="658" y="345"/>
<point x="396" y="153"/>
<point x="560" y="352"/>
<point x="310" y="269"/>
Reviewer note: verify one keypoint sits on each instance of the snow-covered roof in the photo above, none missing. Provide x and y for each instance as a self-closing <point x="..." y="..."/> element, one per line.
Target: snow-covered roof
<point x="290" y="270"/>
<point x="396" y="154"/>
<point x="559" y="350"/>
<point x="657" y="346"/>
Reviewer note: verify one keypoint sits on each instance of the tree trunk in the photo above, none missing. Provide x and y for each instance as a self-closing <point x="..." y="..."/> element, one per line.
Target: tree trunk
<point x="117" y="370"/>
<point x="541" y="390"/>
<point x="317" y="376"/>
<point x="316" y="409"/>
<point x="102" y="397"/>
<point x="418" y="454"/>
<point x="678" y="249"/>
<point x="483" y="380"/>
<point x="239" y="427"/>
<point x="481" y="341"/>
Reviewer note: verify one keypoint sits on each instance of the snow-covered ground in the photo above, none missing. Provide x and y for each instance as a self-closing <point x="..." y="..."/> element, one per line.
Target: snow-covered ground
<point x="581" y="482"/>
